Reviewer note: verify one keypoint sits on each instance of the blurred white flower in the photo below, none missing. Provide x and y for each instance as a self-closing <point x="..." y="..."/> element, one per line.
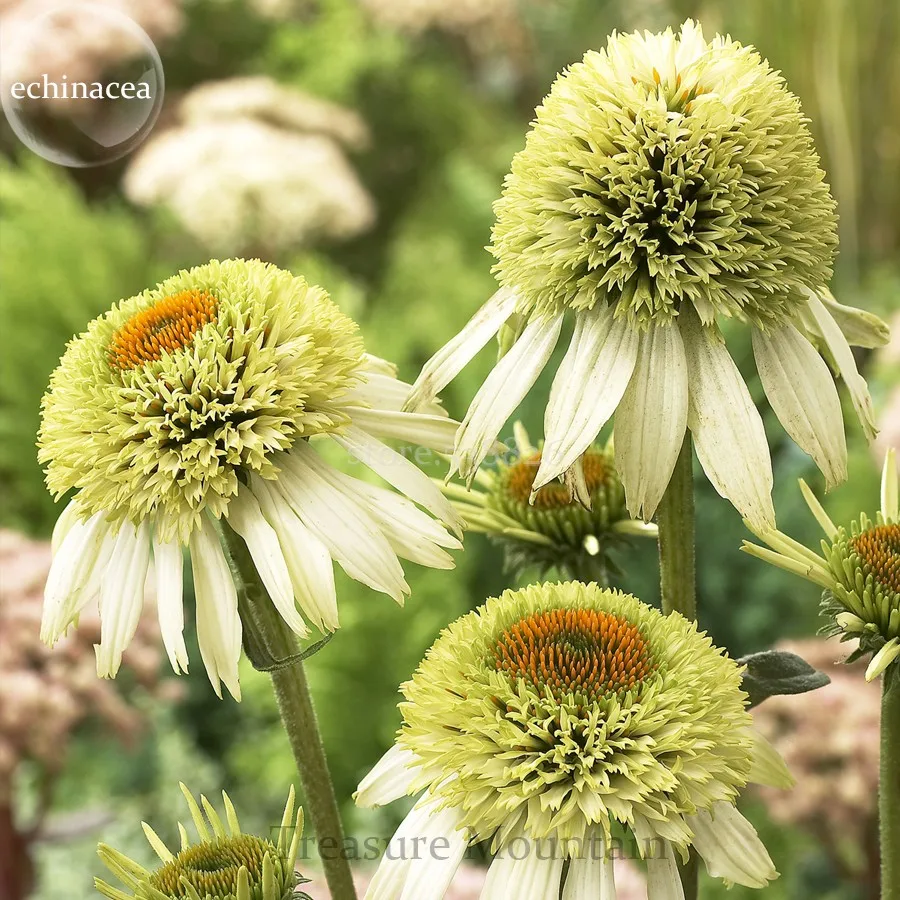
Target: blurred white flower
<point x="255" y="169"/>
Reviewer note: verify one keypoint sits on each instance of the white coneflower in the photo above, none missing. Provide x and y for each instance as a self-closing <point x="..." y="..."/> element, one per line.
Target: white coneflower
<point x="667" y="183"/>
<point x="195" y="402"/>
<point x="549" y="719"/>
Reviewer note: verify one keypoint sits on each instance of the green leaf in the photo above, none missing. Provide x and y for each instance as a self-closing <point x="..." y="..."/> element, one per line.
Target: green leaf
<point x="773" y="673"/>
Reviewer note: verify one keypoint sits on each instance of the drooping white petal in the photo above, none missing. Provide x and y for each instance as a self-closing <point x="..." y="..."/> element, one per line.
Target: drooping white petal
<point x="843" y="356"/>
<point x="70" y="571"/>
<point x="218" y="622"/>
<point x="398" y="471"/>
<point x="67" y="518"/>
<point x="587" y="388"/>
<point x="663" y="880"/>
<point x="122" y="595"/>
<point x="169" y="565"/>
<point x="803" y="395"/>
<point x="727" y="428"/>
<point x="767" y="766"/>
<point x="859" y="326"/>
<point x="435" y="432"/>
<point x="328" y="509"/>
<point x="307" y="557"/>
<point x="454" y="356"/>
<point x="246" y="518"/>
<point x="525" y="869"/>
<point x="502" y="391"/>
<point x="389" y="780"/>
<point x="730" y="846"/>
<point x="651" y="420"/>
<point x="432" y="869"/>
<point x="576" y="484"/>
<point x="380" y="391"/>
<point x="591" y="874"/>
<point x="890" y="491"/>
<point x="379" y="365"/>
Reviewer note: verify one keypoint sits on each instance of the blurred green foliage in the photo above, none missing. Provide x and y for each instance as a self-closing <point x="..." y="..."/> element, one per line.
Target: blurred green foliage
<point x="445" y="117"/>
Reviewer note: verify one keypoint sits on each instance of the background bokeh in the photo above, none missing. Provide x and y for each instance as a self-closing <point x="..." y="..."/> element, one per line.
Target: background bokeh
<point x="361" y="143"/>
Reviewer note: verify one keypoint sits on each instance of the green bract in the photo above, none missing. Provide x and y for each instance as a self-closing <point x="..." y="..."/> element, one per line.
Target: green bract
<point x="166" y="398"/>
<point x="224" y="865"/>
<point x="667" y="170"/>
<point x="574" y="707"/>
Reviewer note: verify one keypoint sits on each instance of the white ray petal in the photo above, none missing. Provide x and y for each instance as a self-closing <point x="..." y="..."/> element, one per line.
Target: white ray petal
<point x="843" y="356"/>
<point x="663" y="880"/>
<point x="803" y="395"/>
<point x="767" y="766"/>
<point x="122" y="595"/>
<point x="70" y="571"/>
<point x="328" y="509"/>
<point x="652" y="419"/>
<point x="246" y="518"/>
<point x="307" y="558"/>
<point x="587" y="388"/>
<point x="890" y="491"/>
<point x="67" y="518"/>
<point x="525" y="869"/>
<point x="169" y="565"/>
<point x="730" y="847"/>
<point x="591" y="874"/>
<point x="859" y="326"/>
<point x="433" y="867"/>
<point x="380" y="391"/>
<point x="389" y="780"/>
<point x="454" y="356"/>
<point x="434" y="432"/>
<point x="727" y="428"/>
<point x="398" y="471"/>
<point x="502" y="391"/>
<point x="218" y="622"/>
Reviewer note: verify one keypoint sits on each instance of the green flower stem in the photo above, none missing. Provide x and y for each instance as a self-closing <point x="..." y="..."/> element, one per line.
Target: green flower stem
<point x="677" y="575"/>
<point x="889" y="792"/>
<point x="269" y="631"/>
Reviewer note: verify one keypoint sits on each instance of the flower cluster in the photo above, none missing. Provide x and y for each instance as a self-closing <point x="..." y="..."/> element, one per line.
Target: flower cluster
<point x="194" y="404"/>
<point x="576" y="710"/>
<point x="667" y="183"/>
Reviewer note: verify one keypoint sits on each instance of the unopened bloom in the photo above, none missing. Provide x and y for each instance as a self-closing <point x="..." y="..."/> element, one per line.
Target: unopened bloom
<point x="573" y="709"/>
<point x="667" y="183"/>
<point x="573" y="528"/>
<point x="194" y="404"/>
<point x="225" y="864"/>
<point x="859" y="570"/>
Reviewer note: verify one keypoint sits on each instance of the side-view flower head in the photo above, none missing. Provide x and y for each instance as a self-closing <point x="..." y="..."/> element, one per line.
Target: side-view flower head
<point x="577" y="712"/>
<point x="574" y="528"/>
<point x="190" y="409"/>
<point x="224" y="864"/>
<point x="859" y="571"/>
<point x="666" y="184"/>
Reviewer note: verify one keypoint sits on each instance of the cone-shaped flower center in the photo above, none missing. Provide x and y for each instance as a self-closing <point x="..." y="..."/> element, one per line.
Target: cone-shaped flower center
<point x="167" y="326"/>
<point x="582" y="652"/>
<point x="211" y="868"/>
<point x="878" y="549"/>
<point x="520" y="481"/>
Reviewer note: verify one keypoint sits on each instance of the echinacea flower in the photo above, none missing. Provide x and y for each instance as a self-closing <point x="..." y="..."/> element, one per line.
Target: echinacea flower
<point x="572" y="528"/>
<point x="190" y="408"/>
<point x="667" y="183"/>
<point x="225" y="864"/>
<point x="575" y="711"/>
<point x="859" y="570"/>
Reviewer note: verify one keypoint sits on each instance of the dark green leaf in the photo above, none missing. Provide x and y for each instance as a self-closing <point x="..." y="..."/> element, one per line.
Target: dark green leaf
<point x="776" y="672"/>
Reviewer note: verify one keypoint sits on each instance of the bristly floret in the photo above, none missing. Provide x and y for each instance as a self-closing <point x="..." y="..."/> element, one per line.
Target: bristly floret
<point x="667" y="170"/>
<point x="167" y="400"/>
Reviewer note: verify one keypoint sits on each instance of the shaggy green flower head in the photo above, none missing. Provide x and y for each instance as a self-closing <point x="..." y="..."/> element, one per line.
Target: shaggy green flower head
<point x="225" y="865"/>
<point x="667" y="170"/>
<point x="174" y="396"/>
<point x="576" y="707"/>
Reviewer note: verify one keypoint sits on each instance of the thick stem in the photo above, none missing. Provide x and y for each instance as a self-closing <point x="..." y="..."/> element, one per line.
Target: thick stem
<point x="676" y="539"/>
<point x="889" y="791"/>
<point x="677" y="576"/>
<point x="266" y="631"/>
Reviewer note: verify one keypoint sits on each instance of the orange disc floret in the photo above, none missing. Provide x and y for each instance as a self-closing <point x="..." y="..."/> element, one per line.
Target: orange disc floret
<point x="575" y="651"/>
<point x="879" y="550"/>
<point x="521" y="475"/>
<point x="167" y="326"/>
